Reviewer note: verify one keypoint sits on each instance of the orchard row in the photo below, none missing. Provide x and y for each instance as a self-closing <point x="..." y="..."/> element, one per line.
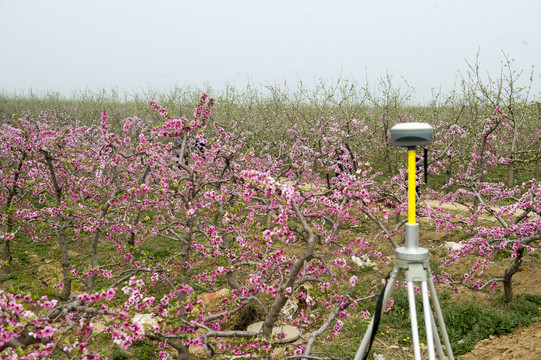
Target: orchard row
<point x="267" y="221"/>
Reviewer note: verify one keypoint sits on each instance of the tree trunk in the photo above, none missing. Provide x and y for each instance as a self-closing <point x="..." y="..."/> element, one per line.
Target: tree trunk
<point x="510" y="174"/>
<point x="448" y="171"/>
<point x="59" y="229"/>
<point x="134" y="221"/>
<point x="511" y="168"/>
<point x="6" y="250"/>
<point x="90" y="283"/>
<point x="475" y="208"/>
<point x="93" y="260"/>
<point x="6" y="256"/>
<point x="183" y="352"/>
<point x="508" y="289"/>
<point x="62" y="244"/>
<point x="218" y="218"/>
<point x="281" y="299"/>
<point x="508" y="275"/>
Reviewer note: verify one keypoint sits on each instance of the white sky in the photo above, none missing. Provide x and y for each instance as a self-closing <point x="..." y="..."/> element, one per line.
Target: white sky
<point x="138" y="45"/>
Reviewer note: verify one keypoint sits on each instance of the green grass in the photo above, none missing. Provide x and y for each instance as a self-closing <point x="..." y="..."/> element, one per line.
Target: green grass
<point x="468" y="324"/>
<point x="118" y="354"/>
<point x="142" y="350"/>
<point x="22" y="247"/>
<point x="145" y="350"/>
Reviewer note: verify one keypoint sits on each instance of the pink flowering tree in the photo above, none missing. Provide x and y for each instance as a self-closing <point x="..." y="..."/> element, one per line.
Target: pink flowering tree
<point x="52" y="210"/>
<point x="263" y="222"/>
<point x="114" y="192"/>
<point x="515" y="211"/>
<point x="15" y="147"/>
<point x="236" y="211"/>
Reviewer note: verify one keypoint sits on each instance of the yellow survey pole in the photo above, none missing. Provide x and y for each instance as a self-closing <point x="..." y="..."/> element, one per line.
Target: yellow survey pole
<point x="411" y="186"/>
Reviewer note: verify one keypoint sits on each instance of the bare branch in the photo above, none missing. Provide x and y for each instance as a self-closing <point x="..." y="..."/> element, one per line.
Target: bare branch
<point x="323" y="328"/>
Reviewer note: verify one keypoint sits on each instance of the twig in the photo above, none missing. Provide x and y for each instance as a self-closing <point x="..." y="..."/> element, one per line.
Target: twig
<point x="323" y="328"/>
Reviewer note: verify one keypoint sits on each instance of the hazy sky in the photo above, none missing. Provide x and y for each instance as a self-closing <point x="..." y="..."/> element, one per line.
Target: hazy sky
<point x="136" y="45"/>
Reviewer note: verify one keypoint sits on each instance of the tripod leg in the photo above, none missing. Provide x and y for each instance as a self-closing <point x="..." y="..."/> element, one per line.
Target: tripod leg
<point x="441" y="323"/>
<point x="428" y="321"/>
<point x="439" y="348"/>
<point x="395" y="273"/>
<point x="413" y="316"/>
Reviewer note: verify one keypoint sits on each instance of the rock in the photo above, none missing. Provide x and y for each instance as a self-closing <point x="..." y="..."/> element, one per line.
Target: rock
<point x="282" y="333"/>
<point x="278" y="353"/>
<point x="210" y="298"/>
<point x="363" y="261"/>
<point x="296" y="303"/>
<point x="290" y="308"/>
<point x="360" y="261"/>
<point x="451" y="245"/>
<point x="147" y="321"/>
<point x="379" y="357"/>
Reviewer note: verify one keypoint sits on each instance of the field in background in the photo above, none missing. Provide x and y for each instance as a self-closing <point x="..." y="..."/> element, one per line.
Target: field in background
<point x="268" y="112"/>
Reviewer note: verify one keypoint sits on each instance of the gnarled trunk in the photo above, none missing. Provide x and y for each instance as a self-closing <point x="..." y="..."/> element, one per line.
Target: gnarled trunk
<point x="64" y="257"/>
<point x="59" y="229"/>
<point x="508" y="275"/>
<point x="6" y="250"/>
<point x="296" y="269"/>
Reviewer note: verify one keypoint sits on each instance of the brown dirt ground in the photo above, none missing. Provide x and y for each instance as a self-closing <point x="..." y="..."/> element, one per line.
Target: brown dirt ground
<point x="524" y="343"/>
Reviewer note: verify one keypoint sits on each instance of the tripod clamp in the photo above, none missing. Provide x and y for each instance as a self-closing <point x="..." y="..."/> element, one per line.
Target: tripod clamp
<point x="411" y="252"/>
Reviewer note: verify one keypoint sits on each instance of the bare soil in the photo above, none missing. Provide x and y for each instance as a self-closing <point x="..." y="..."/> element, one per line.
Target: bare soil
<point x="524" y="343"/>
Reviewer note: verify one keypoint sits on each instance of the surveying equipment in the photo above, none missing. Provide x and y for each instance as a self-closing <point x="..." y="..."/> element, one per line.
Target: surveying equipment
<point x="412" y="262"/>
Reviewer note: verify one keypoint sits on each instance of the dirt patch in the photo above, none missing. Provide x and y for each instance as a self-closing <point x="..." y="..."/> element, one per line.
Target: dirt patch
<point x="460" y="208"/>
<point x="524" y="343"/>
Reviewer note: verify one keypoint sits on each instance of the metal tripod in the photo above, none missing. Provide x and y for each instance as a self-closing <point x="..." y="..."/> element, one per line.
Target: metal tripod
<point x="413" y="264"/>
